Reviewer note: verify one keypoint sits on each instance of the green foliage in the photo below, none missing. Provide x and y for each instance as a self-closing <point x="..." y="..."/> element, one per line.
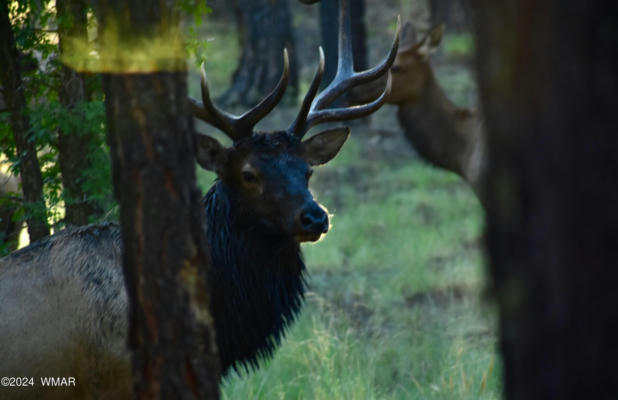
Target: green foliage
<point x="34" y="25"/>
<point x="195" y="46"/>
<point x="31" y="19"/>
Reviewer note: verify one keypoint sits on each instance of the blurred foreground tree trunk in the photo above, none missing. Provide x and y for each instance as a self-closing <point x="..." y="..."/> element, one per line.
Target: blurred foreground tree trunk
<point x="329" y="27"/>
<point x="165" y="255"/>
<point x="15" y="101"/>
<point x="74" y="147"/>
<point x="265" y="29"/>
<point x="549" y="86"/>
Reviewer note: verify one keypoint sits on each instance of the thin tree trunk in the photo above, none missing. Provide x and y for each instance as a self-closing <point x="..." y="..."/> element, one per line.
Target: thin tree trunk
<point x="14" y="97"/>
<point x="74" y="147"/>
<point x="549" y="87"/>
<point x="265" y="29"/>
<point x="329" y="27"/>
<point x="165" y="255"/>
<point x="9" y="203"/>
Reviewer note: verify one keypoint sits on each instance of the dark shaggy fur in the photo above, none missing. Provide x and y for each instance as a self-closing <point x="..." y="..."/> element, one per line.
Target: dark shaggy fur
<point x="257" y="284"/>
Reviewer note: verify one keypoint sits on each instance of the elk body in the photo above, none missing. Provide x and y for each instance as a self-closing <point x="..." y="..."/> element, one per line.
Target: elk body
<point x="444" y="134"/>
<point x="63" y="304"/>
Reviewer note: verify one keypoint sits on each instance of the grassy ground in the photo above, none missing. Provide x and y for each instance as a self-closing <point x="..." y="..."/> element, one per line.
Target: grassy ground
<point x="395" y="309"/>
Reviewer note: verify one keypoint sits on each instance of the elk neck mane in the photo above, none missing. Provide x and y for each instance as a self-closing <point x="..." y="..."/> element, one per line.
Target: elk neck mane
<point x="258" y="283"/>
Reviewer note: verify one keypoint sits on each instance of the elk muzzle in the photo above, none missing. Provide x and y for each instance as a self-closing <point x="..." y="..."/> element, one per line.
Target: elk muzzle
<point x="311" y="222"/>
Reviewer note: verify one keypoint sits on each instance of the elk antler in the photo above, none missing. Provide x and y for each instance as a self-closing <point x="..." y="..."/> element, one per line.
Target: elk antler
<point x="314" y="112"/>
<point x="238" y="127"/>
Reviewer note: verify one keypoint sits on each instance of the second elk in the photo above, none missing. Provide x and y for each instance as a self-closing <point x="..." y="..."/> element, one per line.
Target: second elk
<point x="444" y="134"/>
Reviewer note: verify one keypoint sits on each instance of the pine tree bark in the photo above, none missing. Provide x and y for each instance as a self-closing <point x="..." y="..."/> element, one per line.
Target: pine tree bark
<point x="265" y="29"/>
<point x="74" y="147"/>
<point x="549" y="88"/>
<point x="165" y="255"/>
<point x="15" y="101"/>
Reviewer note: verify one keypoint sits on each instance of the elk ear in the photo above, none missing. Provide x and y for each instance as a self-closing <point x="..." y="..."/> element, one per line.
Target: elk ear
<point x="210" y="154"/>
<point x="322" y="147"/>
<point x="431" y="41"/>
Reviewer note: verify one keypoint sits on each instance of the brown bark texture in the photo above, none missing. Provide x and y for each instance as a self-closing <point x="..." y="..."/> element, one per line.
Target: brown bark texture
<point x="73" y="147"/>
<point x="15" y="101"/>
<point x="165" y="254"/>
<point x="549" y="87"/>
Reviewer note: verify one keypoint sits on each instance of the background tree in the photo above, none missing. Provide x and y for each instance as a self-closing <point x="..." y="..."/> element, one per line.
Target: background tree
<point x="456" y="14"/>
<point x="164" y="250"/>
<point x="9" y="227"/>
<point x="265" y="28"/>
<point x="15" y="99"/>
<point x="75" y="141"/>
<point x="329" y="23"/>
<point x="550" y="93"/>
<point x="65" y="127"/>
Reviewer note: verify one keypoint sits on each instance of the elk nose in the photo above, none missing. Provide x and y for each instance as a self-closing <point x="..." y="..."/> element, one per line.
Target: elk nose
<point x="314" y="220"/>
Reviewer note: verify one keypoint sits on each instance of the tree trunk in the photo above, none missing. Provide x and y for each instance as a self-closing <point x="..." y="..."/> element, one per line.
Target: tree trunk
<point x="14" y="97"/>
<point x="74" y="147"/>
<point x="549" y="87"/>
<point x="10" y="199"/>
<point x="165" y="255"/>
<point x="329" y="26"/>
<point x="265" y="28"/>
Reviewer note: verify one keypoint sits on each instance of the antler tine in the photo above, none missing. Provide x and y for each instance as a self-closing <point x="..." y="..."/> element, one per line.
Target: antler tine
<point x="346" y="113"/>
<point x="249" y="119"/>
<point x="238" y="127"/>
<point x="208" y="112"/>
<point x="314" y="111"/>
<point x="346" y="78"/>
<point x="298" y="126"/>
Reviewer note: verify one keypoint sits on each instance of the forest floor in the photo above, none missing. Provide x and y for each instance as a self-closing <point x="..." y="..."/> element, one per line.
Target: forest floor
<point x="396" y="308"/>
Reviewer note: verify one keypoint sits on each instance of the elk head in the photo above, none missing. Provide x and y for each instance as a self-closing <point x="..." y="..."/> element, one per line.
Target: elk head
<point x="411" y="71"/>
<point x="268" y="173"/>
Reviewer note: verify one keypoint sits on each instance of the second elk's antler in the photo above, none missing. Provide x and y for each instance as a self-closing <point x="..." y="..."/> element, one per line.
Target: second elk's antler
<point x="313" y="109"/>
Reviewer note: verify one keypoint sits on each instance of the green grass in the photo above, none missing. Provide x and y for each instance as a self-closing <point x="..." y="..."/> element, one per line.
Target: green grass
<point x="394" y="310"/>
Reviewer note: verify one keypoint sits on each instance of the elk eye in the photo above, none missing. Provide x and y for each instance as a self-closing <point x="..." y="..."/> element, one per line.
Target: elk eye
<point x="249" y="177"/>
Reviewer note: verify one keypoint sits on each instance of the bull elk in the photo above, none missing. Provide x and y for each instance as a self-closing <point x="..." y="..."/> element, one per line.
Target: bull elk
<point x="444" y="134"/>
<point x="63" y="304"/>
